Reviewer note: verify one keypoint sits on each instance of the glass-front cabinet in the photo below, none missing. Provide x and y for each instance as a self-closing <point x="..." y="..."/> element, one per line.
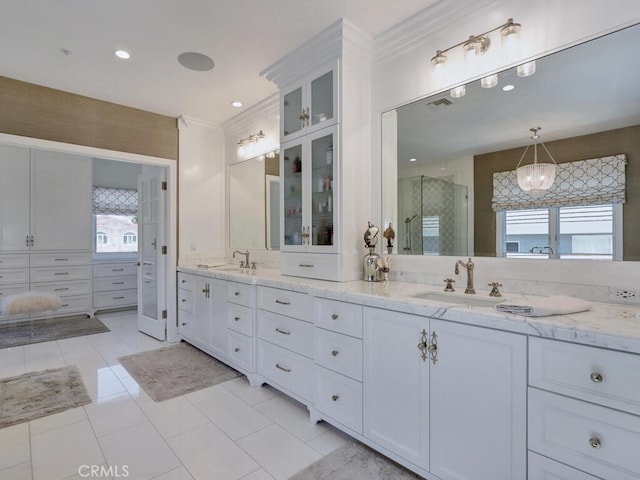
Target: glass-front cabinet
<point x="310" y="104"/>
<point x="308" y="172"/>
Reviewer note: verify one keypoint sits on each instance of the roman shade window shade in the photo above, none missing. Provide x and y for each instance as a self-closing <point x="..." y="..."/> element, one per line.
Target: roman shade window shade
<point x="115" y="201"/>
<point x="586" y="182"/>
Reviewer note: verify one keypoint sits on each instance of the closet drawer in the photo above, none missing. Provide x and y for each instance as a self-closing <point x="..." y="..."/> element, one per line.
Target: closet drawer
<point x="118" y="298"/>
<point x="323" y="266"/>
<point x="239" y="319"/>
<point x="106" y="284"/>
<point x="339" y="397"/>
<point x="239" y="350"/>
<point x="12" y="289"/>
<point x="64" y="289"/>
<point x="543" y="468"/>
<point x="596" y="439"/>
<point x="62" y="273"/>
<point x="114" y="269"/>
<point x="286" y="332"/>
<point x="594" y="374"/>
<point x="59" y="259"/>
<point x="286" y="302"/>
<point x="339" y="353"/>
<point x="71" y="304"/>
<point x="12" y="276"/>
<point x="14" y="261"/>
<point x="339" y="316"/>
<point x="185" y="300"/>
<point x="185" y="282"/>
<point x="239" y="293"/>
<point x="286" y="369"/>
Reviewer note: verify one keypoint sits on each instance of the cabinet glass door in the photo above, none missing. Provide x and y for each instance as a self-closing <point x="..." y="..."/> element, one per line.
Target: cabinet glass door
<point x="322" y="199"/>
<point x="322" y="98"/>
<point x="292" y="112"/>
<point x="291" y="174"/>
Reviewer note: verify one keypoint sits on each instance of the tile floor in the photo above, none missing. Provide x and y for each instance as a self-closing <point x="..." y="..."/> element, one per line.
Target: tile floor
<point x="227" y="432"/>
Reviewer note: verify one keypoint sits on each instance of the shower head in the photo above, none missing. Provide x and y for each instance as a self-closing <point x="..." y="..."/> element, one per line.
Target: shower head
<point x="409" y="220"/>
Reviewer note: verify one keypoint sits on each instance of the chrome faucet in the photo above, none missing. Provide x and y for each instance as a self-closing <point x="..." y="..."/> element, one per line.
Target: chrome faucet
<point x="245" y="263"/>
<point x="469" y="267"/>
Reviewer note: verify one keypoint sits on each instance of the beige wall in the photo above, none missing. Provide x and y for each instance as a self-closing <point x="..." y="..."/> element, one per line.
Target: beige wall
<point x="39" y="112"/>
<point x="623" y="140"/>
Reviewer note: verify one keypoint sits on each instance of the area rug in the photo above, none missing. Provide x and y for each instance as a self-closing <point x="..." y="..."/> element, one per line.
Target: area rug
<point x="355" y="461"/>
<point x="25" y="332"/>
<point x="173" y="371"/>
<point x="38" y="394"/>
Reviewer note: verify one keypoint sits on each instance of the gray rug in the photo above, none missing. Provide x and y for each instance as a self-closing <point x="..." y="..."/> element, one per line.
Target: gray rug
<point x="355" y="461"/>
<point x="173" y="371"/>
<point x="37" y="394"/>
<point x="25" y="332"/>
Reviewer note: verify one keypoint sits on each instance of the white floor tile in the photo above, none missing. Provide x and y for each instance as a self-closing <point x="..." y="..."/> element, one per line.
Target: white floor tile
<point x="280" y="453"/>
<point x="261" y="474"/>
<point x="328" y="441"/>
<point x="19" y="472"/>
<point x="59" y="453"/>
<point x="179" y="473"/>
<point x="113" y="416"/>
<point x="292" y="416"/>
<point x="141" y="449"/>
<point x="14" y="446"/>
<point x="103" y="385"/>
<point x="12" y="362"/>
<point x="57" y="420"/>
<point x="252" y="395"/>
<point x="173" y="417"/>
<point x="209" y="454"/>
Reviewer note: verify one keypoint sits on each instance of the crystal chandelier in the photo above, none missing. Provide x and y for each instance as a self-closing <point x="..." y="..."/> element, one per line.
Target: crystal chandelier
<point x="536" y="177"/>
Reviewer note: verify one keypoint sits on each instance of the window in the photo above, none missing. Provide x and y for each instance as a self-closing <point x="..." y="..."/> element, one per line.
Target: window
<point x="101" y="238"/>
<point x="130" y="238"/>
<point x="116" y="221"/>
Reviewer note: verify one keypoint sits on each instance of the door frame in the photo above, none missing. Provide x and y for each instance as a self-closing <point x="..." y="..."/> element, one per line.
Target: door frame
<point x="170" y="213"/>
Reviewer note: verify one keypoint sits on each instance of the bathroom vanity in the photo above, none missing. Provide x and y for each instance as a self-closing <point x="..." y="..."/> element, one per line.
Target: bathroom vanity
<point x="450" y="390"/>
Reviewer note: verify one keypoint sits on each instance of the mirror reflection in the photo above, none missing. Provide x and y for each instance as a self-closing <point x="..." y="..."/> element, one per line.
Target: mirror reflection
<point x="440" y="154"/>
<point x="254" y="205"/>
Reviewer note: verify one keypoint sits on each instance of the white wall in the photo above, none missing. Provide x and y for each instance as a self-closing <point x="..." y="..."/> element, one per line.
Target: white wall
<point x="403" y="73"/>
<point x="109" y="173"/>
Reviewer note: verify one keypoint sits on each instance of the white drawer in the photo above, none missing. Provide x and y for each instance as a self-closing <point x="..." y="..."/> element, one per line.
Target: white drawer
<point x="239" y="319"/>
<point x="12" y="276"/>
<point x="64" y="289"/>
<point x="185" y="281"/>
<point x="117" y="298"/>
<point x="286" y="302"/>
<point x="594" y="374"/>
<point x="543" y="468"/>
<point x="598" y="440"/>
<point x="239" y="350"/>
<point x="11" y="289"/>
<point x="286" y="332"/>
<point x="106" y="284"/>
<point x="339" y="316"/>
<point x="17" y="260"/>
<point x="339" y="397"/>
<point x="77" y="303"/>
<point x="185" y="300"/>
<point x="286" y="369"/>
<point x="60" y="274"/>
<point x="239" y="293"/>
<point x="323" y="266"/>
<point x="339" y="353"/>
<point x="114" y="269"/>
<point x="59" y="259"/>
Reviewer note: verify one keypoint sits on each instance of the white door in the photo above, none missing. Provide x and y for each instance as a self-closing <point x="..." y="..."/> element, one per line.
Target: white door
<point x="151" y="260"/>
<point x="14" y="198"/>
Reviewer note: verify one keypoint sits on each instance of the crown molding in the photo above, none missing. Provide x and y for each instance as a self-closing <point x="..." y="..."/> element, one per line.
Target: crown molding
<point x="268" y="106"/>
<point x="185" y="121"/>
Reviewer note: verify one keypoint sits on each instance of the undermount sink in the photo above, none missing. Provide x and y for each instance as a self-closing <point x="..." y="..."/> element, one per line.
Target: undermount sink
<point x="469" y="300"/>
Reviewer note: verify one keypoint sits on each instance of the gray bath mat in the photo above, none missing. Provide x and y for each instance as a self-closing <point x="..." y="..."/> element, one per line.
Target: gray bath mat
<point x="37" y="394"/>
<point x="173" y="371"/>
<point x="25" y="332"/>
<point x="355" y="461"/>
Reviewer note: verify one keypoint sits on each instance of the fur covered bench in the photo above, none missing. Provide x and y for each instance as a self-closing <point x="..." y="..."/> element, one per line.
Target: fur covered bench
<point x="29" y="302"/>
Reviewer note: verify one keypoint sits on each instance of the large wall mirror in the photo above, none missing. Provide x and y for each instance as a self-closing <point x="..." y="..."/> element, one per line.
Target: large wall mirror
<point x="254" y="204"/>
<point x="439" y="153"/>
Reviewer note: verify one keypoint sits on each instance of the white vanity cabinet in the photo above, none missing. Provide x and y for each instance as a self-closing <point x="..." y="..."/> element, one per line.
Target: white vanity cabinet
<point x="584" y="407"/>
<point x="115" y="285"/>
<point x="446" y="397"/>
<point x="240" y="307"/>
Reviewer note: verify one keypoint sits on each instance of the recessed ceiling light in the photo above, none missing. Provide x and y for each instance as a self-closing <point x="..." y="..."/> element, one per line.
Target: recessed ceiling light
<point x="508" y="88"/>
<point x="236" y="104"/>
<point x="122" y="54"/>
<point x="412" y="159"/>
<point x="195" y="61"/>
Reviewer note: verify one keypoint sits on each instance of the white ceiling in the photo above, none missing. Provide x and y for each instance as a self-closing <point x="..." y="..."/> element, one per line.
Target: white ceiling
<point x="243" y="37"/>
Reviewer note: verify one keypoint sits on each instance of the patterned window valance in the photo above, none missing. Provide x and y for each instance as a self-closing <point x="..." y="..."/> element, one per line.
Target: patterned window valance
<point x="585" y="182"/>
<point x="115" y="201"/>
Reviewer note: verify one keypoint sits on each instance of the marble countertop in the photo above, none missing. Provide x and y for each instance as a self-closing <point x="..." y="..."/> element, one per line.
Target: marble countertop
<point x="608" y="325"/>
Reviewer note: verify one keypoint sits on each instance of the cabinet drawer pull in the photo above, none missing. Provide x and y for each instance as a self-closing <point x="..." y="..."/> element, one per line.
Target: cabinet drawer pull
<point x="284" y="369"/>
<point x="64" y="305"/>
<point x="183" y="281"/>
<point x="118" y="298"/>
<point x="236" y="293"/>
<point x="61" y="273"/>
<point x="596" y="377"/>
<point x="334" y="316"/>
<point x="117" y="283"/>
<point x="237" y="349"/>
<point x="183" y="300"/>
<point x="184" y="324"/>
<point x="283" y="332"/>
<point x="335" y="397"/>
<point x="595" y="442"/>
<point x="335" y="353"/>
<point x="282" y="302"/>
<point x="61" y="289"/>
<point x="117" y="269"/>
<point x="61" y="260"/>
<point x="306" y="265"/>
<point x="236" y="319"/>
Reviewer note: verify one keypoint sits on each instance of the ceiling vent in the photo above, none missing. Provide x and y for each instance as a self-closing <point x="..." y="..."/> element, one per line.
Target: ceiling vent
<point x="441" y="102"/>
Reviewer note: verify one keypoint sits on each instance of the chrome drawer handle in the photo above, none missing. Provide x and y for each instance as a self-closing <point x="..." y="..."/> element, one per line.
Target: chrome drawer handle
<point x="282" y="302"/>
<point x="117" y="269"/>
<point x="595" y="442"/>
<point x="117" y="283"/>
<point x="335" y="353"/>
<point x="184" y="300"/>
<point x="236" y="293"/>
<point x="306" y="265"/>
<point x="184" y="281"/>
<point x="334" y="316"/>
<point x="237" y="349"/>
<point x="335" y="397"/>
<point x="596" y="377"/>
<point x="283" y="332"/>
<point x="64" y="305"/>
<point x="284" y="369"/>
<point x="61" y="273"/>
<point x="61" y="289"/>
<point x="237" y="319"/>
<point x="61" y="260"/>
<point x="118" y="298"/>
